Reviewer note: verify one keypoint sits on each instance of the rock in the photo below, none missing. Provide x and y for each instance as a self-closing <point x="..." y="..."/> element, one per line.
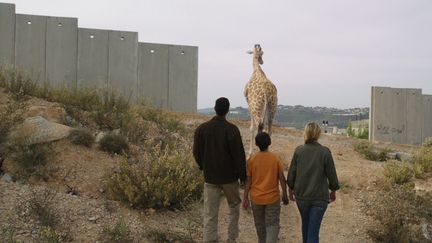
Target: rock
<point x="93" y="219"/>
<point x="400" y="156"/>
<point x="51" y="113"/>
<point x="426" y="232"/>
<point x="99" y="136"/>
<point x="7" y="177"/>
<point x="37" y="129"/>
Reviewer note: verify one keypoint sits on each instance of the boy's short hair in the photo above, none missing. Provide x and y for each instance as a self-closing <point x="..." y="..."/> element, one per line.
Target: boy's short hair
<point x="263" y="141"/>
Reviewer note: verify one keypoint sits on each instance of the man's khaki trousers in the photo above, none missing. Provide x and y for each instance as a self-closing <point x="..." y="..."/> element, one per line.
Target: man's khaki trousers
<point x="212" y="198"/>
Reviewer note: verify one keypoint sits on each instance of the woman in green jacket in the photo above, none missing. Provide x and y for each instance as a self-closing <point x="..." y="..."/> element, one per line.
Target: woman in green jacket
<point x="311" y="176"/>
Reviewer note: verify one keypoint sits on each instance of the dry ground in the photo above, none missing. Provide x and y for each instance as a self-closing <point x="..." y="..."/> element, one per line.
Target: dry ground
<point x="83" y="169"/>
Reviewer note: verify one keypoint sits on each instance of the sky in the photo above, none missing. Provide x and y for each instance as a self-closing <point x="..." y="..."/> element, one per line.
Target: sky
<point x="317" y="53"/>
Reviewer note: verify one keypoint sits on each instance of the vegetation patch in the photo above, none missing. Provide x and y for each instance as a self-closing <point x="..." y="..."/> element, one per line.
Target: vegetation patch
<point x="119" y="233"/>
<point x="162" y="178"/>
<point x="398" y="172"/>
<point x="114" y="143"/>
<point x="82" y="136"/>
<point x="369" y="152"/>
<point x="400" y="214"/>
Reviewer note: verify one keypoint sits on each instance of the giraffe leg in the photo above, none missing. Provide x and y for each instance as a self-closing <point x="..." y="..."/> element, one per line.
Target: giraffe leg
<point x="252" y="130"/>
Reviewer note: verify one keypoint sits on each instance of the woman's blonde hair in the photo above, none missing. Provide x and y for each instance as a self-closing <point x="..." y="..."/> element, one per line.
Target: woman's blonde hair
<point x="312" y="132"/>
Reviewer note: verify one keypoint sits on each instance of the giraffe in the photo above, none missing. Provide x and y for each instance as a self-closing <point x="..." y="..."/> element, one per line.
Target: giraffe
<point x="261" y="96"/>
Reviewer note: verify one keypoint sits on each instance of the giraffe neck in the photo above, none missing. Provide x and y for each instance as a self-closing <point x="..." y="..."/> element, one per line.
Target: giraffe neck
<point x="258" y="72"/>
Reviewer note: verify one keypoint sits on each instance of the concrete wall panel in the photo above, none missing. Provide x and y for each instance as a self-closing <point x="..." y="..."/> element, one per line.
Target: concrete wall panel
<point x="62" y="51"/>
<point x="398" y="115"/>
<point x="7" y="34"/>
<point x="381" y="116"/>
<point x="427" y="117"/>
<point x="30" y="45"/>
<point x="92" y="58"/>
<point x="183" y="70"/>
<point x="123" y="62"/>
<point x="414" y="117"/>
<point x="153" y="61"/>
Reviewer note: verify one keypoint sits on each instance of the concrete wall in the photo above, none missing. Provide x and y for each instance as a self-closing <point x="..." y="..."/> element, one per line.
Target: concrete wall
<point x="123" y="62"/>
<point x="62" y="51"/>
<point x="399" y="115"/>
<point x="30" y="45"/>
<point x="427" y="117"/>
<point x="183" y="71"/>
<point x="92" y="58"/>
<point x="7" y="34"/>
<point x="54" y="50"/>
<point x="153" y="61"/>
<point x="414" y="111"/>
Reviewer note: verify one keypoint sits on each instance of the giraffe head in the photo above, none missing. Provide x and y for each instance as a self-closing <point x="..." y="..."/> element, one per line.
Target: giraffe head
<point x="257" y="53"/>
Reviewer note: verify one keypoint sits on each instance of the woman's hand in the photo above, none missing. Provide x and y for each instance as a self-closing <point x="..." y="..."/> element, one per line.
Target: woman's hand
<point x="291" y="195"/>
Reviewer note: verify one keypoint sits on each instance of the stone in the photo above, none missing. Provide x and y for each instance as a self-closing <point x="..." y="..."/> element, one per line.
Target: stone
<point x="35" y="130"/>
<point x="51" y="113"/>
<point x="7" y="177"/>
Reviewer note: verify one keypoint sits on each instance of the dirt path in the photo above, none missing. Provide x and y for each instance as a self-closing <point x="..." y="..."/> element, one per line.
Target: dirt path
<point x="344" y="220"/>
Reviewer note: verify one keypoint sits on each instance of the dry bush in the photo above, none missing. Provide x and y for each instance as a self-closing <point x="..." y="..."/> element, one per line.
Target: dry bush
<point x="40" y="206"/>
<point x="119" y="233"/>
<point x="398" y="172"/>
<point x="50" y="235"/>
<point x="369" y="152"/>
<point x="399" y="213"/>
<point x="11" y="115"/>
<point x="82" y="136"/>
<point x="18" y="83"/>
<point x="28" y="159"/>
<point x="164" y="120"/>
<point x="114" y="143"/>
<point x="160" y="179"/>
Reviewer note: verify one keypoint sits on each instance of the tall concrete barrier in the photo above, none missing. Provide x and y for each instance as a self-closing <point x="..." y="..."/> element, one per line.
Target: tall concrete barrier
<point x="30" y="45"/>
<point x="61" y="51"/>
<point x="54" y="50"/>
<point x="7" y="34"/>
<point x="381" y="124"/>
<point x="183" y="71"/>
<point x="92" y="58"/>
<point x="400" y="115"/>
<point x="153" y="61"/>
<point x="414" y="117"/>
<point x="427" y="117"/>
<point x="123" y="63"/>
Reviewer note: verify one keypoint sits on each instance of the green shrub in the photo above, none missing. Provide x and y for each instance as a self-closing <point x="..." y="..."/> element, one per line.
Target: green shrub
<point x="398" y="172"/>
<point x="369" y="152"/>
<point x="29" y="160"/>
<point x="398" y="212"/>
<point x="114" y="143"/>
<point x="161" y="178"/>
<point x="120" y="233"/>
<point x="423" y="157"/>
<point x="82" y="136"/>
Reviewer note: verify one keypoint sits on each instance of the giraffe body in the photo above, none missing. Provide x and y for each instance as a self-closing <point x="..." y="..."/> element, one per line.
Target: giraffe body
<point x="261" y="95"/>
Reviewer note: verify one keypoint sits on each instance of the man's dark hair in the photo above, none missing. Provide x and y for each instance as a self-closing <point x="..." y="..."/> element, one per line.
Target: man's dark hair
<point x="263" y="141"/>
<point x="222" y="106"/>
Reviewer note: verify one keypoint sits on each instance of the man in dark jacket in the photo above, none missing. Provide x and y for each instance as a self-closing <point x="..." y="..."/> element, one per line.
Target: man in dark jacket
<point x="219" y="152"/>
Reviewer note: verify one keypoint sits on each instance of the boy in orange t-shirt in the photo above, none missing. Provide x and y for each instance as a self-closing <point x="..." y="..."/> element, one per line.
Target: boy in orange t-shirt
<point x="264" y="174"/>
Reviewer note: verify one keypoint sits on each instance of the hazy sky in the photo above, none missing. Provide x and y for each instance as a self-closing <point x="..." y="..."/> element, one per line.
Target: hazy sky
<point x="318" y="53"/>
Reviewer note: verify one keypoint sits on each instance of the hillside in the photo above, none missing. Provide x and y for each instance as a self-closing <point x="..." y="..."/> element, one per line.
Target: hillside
<point x="70" y="197"/>
<point x="297" y="116"/>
